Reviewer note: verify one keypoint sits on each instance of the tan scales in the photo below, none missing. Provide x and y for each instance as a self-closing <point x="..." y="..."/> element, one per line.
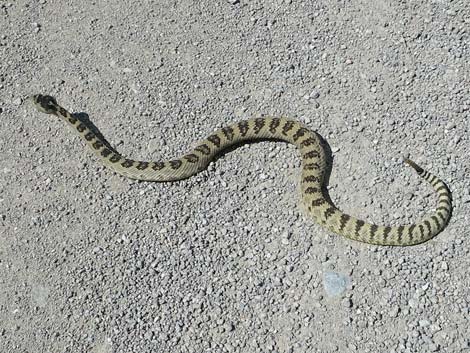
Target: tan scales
<point x="312" y="177"/>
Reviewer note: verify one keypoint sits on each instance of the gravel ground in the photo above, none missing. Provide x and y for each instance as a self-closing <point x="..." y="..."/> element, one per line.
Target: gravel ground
<point x="226" y="261"/>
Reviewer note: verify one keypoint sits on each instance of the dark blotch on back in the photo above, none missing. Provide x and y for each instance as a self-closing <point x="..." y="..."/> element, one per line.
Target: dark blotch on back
<point x="89" y="136"/>
<point x="243" y="127"/>
<point x="287" y="127"/>
<point x="228" y="133"/>
<point x="142" y="165"/>
<point x="312" y="154"/>
<point x="191" y="158"/>
<point x="329" y="212"/>
<point x="158" y="166"/>
<point x="373" y="230"/>
<point x="421" y="231"/>
<point x="81" y="127"/>
<point x="115" y="158"/>
<point x="311" y="190"/>
<point x="445" y="201"/>
<point x="410" y="231"/>
<point x="106" y="152"/>
<point x="204" y="149"/>
<point x="344" y="219"/>
<point x="175" y="164"/>
<point x="214" y="139"/>
<point x="428" y="225"/>
<point x="127" y="163"/>
<point x="97" y="145"/>
<point x="274" y="125"/>
<point x="62" y="111"/>
<point x="307" y="142"/>
<point x="387" y="231"/>
<point x="318" y="202"/>
<point x="400" y="233"/>
<point x="311" y="179"/>
<point x="436" y="220"/>
<point x="259" y="124"/>
<point x="312" y="166"/>
<point x="359" y="225"/>
<point x="441" y="216"/>
<point x="299" y="133"/>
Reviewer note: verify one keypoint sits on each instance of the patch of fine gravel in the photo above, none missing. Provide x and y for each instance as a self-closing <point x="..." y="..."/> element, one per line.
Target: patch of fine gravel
<point x="226" y="261"/>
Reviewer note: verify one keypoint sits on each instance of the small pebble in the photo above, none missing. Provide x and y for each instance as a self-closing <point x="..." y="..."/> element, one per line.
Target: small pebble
<point x="347" y="303"/>
<point x="334" y="283"/>
<point x="394" y="311"/>
<point x="314" y="94"/>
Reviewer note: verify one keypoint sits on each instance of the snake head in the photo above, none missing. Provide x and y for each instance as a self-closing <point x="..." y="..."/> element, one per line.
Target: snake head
<point x="45" y="104"/>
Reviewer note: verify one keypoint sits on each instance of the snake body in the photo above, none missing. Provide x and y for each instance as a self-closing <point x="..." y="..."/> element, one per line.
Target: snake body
<point x="312" y="176"/>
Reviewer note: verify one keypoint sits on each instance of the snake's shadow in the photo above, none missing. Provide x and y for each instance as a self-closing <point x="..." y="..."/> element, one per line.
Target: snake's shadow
<point x="85" y="119"/>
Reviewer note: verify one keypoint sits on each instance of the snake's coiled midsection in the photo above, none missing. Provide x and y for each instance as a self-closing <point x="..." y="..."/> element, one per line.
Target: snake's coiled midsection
<point x="312" y="176"/>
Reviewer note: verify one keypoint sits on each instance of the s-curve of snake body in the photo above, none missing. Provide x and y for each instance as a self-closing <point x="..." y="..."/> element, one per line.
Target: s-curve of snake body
<point x="317" y="204"/>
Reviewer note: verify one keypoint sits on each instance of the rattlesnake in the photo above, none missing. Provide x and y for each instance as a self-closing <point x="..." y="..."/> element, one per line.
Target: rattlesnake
<point x="312" y="177"/>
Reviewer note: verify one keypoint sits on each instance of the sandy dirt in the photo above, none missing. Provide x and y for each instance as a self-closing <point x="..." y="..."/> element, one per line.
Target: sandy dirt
<point x="226" y="261"/>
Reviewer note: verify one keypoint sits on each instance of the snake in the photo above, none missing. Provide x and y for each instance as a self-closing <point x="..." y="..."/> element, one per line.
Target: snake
<point x="312" y="180"/>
